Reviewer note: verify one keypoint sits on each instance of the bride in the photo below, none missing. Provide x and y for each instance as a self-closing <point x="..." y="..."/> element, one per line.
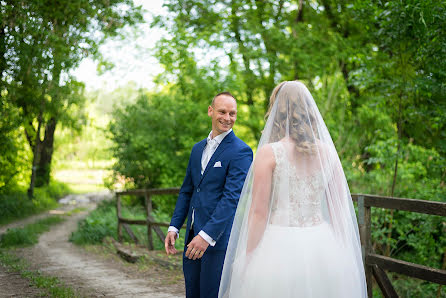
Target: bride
<point x="295" y="232"/>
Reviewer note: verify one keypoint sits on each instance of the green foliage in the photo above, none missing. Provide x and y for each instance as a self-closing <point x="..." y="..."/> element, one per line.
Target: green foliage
<point x="13" y="158"/>
<point x="89" y="145"/>
<point x="29" y="235"/>
<point x="405" y="69"/>
<point x="51" y="285"/>
<point x="102" y="223"/>
<point x="376" y="71"/>
<point x="14" y="204"/>
<point x="152" y="139"/>
<point x="41" y="42"/>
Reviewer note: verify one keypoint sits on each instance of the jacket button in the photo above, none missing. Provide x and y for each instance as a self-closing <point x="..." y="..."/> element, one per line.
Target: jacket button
<point x="198" y="189"/>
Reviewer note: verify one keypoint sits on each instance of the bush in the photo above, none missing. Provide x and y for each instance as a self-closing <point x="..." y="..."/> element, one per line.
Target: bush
<point x="99" y="224"/>
<point x="146" y="145"/>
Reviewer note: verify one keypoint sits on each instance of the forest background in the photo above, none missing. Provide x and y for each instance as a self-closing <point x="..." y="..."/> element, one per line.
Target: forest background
<point x="375" y="68"/>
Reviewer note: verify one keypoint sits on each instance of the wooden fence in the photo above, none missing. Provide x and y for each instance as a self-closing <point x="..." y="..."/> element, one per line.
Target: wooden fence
<point x="149" y="221"/>
<point x="374" y="264"/>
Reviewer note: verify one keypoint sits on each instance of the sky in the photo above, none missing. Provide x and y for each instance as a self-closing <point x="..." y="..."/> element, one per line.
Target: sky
<point x="131" y="57"/>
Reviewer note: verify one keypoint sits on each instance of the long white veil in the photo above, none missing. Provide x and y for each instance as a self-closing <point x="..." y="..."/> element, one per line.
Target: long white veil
<point x="305" y="188"/>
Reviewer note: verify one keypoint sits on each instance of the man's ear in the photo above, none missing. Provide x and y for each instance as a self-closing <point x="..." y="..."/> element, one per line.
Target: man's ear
<point x="210" y="110"/>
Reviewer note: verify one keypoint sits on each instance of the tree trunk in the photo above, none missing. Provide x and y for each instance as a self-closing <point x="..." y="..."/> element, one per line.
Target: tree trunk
<point x="2" y="52"/>
<point x="36" y="145"/>
<point x="44" y="165"/>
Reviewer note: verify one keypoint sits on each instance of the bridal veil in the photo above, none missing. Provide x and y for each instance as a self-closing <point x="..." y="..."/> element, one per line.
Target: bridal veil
<point x="295" y="232"/>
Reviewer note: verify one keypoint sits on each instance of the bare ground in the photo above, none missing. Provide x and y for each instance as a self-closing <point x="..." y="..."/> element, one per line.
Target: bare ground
<point x="93" y="272"/>
<point x="13" y="285"/>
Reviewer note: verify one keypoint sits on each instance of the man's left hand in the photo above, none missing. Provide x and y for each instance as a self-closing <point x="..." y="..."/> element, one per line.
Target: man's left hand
<point x="196" y="248"/>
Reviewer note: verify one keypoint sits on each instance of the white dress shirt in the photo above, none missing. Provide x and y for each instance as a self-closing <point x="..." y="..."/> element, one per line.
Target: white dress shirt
<point x="209" y="150"/>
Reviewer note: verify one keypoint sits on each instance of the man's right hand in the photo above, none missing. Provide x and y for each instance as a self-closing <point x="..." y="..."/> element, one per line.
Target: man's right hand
<point x="169" y="243"/>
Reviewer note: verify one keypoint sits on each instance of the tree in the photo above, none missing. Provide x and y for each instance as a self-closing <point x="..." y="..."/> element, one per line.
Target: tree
<point x="152" y="139"/>
<point x="42" y="41"/>
<point x="256" y="44"/>
<point x="376" y="71"/>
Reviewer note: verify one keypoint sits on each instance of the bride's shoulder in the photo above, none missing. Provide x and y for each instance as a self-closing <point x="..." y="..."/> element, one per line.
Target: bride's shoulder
<point x="265" y="154"/>
<point x="265" y="150"/>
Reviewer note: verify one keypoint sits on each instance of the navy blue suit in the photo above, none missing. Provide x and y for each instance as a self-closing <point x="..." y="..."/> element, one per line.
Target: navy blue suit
<point x="213" y="197"/>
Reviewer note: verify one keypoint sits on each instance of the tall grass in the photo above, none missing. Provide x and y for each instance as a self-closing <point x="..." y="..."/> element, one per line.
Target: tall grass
<point x="15" y="204"/>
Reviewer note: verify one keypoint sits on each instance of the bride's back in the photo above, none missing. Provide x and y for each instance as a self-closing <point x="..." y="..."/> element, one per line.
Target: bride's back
<point x="298" y="185"/>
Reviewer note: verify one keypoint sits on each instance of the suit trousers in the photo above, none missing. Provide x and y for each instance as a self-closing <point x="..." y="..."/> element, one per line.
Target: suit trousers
<point x="202" y="276"/>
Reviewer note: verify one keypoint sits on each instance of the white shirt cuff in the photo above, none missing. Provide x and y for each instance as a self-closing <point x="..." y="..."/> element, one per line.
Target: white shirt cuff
<point x="207" y="238"/>
<point x="173" y="229"/>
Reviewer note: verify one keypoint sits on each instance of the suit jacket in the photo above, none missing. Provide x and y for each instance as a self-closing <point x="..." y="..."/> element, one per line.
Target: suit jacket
<point x="214" y="195"/>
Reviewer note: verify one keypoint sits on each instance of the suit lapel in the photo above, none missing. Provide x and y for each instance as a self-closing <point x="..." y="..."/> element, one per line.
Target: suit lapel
<point x="222" y="147"/>
<point x="197" y="162"/>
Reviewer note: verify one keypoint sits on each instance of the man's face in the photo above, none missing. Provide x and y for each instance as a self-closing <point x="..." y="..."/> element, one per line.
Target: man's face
<point x="223" y="114"/>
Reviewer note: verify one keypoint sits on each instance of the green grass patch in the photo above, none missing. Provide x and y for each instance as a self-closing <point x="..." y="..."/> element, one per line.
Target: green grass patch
<point x="83" y="177"/>
<point x="15" y="204"/>
<point x="86" y="188"/>
<point x="52" y="285"/>
<point x="76" y="211"/>
<point x="102" y="222"/>
<point x="83" y="165"/>
<point x="29" y="235"/>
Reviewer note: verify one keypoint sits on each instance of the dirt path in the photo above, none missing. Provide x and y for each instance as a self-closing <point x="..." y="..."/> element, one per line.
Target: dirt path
<point x="89" y="273"/>
<point x="10" y="282"/>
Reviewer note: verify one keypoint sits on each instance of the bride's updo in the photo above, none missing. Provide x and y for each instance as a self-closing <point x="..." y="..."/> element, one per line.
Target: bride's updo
<point x="293" y="110"/>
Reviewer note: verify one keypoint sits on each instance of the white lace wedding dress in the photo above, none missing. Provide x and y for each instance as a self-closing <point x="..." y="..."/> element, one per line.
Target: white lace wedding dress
<point x="298" y="255"/>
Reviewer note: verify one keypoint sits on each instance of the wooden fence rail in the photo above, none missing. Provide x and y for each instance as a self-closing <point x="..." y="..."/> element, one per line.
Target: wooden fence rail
<point x="374" y="264"/>
<point x="149" y="221"/>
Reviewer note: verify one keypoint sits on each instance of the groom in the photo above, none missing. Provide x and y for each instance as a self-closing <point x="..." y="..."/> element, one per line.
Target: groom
<point x="208" y="198"/>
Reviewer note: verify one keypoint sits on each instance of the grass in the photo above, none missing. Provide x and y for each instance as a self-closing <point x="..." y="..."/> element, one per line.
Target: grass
<point x="52" y="285"/>
<point x="83" y="176"/>
<point x="86" y="188"/>
<point x="29" y="235"/>
<point x="76" y="211"/>
<point x="99" y="224"/>
<point x="154" y="263"/>
<point x="83" y="165"/>
<point x="103" y="222"/>
<point x="15" y="204"/>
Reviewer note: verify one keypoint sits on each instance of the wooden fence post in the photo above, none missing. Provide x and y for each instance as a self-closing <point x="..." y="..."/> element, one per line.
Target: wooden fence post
<point x="118" y="211"/>
<point x="365" y="221"/>
<point x="148" y="201"/>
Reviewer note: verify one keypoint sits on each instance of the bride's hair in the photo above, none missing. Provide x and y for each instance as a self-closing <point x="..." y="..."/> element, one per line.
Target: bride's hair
<point x="293" y="109"/>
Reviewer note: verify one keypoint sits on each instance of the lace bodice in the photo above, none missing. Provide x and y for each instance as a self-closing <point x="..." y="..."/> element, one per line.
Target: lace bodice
<point x="296" y="200"/>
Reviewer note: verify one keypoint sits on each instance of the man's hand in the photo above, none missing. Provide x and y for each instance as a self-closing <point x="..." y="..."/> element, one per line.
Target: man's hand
<point x="169" y="243"/>
<point x="196" y="248"/>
